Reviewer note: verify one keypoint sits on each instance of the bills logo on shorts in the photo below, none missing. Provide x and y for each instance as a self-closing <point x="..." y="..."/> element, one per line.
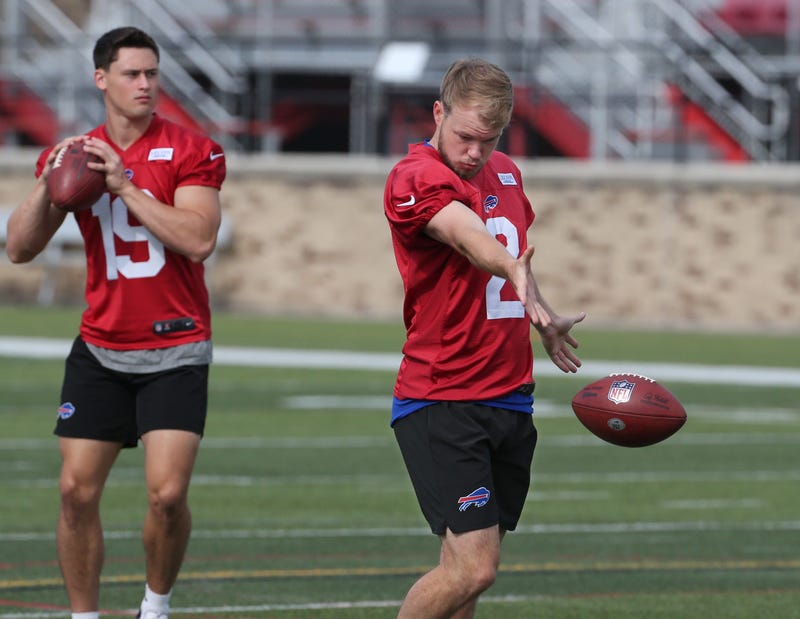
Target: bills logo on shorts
<point x="620" y="391"/>
<point x="66" y="410"/>
<point x="478" y="498"/>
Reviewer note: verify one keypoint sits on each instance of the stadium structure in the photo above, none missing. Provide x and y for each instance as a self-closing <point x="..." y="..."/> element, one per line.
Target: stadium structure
<point x="678" y="80"/>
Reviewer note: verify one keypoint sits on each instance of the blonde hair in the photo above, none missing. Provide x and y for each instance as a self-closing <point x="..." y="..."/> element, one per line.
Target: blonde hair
<point x="476" y="81"/>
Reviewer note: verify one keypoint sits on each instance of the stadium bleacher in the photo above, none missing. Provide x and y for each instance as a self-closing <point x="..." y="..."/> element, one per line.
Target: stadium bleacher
<point x="604" y="73"/>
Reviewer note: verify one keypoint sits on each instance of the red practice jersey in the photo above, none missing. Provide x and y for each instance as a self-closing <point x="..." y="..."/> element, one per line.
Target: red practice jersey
<point x="132" y="280"/>
<point x="468" y="336"/>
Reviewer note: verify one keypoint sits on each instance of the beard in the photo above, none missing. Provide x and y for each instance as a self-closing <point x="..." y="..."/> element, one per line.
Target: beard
<point x="463" y="174"/>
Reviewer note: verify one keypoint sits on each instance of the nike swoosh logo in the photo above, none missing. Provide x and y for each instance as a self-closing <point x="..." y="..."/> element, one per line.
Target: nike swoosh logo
<point x="411" y="202"/>
<point x="213" y="156"/>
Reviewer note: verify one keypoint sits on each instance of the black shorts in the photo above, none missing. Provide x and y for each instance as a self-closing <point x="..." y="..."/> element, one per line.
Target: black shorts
<point x="103" y="404"/>
<point x="470" y="464"/>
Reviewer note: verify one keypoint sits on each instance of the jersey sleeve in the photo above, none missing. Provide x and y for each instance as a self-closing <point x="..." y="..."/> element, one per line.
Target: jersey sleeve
<point x="415" y="193"/>
<point x="205" y="165"/>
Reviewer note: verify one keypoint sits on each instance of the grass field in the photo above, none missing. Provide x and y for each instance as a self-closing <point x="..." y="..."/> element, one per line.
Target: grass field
<point x="302" y="507"/>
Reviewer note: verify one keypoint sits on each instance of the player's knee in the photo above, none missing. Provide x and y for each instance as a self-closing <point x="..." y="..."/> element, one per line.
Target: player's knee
<point x="168" y="501"/>
<point x="474" y="578"/>
<point x="482" y="577"/>
<point x="78" y="500"/>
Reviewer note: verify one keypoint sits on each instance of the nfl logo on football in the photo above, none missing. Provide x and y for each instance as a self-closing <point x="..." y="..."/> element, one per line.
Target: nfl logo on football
<point x="620" y="391"/>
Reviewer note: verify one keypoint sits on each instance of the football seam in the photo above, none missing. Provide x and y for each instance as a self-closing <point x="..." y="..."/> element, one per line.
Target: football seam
<point x="610" y="411"/>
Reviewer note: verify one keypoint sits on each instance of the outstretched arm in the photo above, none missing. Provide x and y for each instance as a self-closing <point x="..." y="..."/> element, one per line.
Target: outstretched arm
<point x="458" y="226"/>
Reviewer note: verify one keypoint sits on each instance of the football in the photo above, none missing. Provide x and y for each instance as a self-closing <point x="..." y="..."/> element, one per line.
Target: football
<point x="72" y="185"/>
<point x="628" y="410"/>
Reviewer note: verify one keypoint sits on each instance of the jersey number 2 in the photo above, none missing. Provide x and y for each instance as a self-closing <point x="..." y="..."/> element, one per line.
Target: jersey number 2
<point x="113" y="218"/>
<point x="495" y="306"/>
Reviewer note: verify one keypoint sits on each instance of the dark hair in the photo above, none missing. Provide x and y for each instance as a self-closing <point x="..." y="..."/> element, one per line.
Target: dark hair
<point x="107" y="46"/>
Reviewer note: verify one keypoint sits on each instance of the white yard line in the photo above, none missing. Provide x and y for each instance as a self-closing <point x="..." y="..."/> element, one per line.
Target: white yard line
<point x="50" y="348"/>
<point x="535" y="529"/>
<point x="262" y="608"/>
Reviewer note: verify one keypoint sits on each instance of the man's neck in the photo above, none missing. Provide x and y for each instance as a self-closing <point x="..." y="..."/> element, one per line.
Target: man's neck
<point x="125" y="131"/>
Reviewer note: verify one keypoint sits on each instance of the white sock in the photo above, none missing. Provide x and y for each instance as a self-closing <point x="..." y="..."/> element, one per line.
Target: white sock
<point x="155" y="601"/>
<point x="92" y="615"/>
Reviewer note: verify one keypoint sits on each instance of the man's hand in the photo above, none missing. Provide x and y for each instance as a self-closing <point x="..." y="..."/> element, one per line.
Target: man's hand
<point x="524" y="285"/>
<point x="559" y="342"/>
<point x="111" y="165"/>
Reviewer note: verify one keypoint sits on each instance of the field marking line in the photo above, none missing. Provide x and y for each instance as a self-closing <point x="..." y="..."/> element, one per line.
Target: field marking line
<point x="53" y="348"/>
<point x="339" y="572"/>
<point x="602" y="528"/>
<point x="738" y="503"/>
<point x="702" y="439"/>
<point x="366" y="604"/>
<point x="387" y="479"/>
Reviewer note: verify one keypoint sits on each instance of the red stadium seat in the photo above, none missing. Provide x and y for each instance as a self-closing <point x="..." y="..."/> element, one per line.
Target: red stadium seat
<point x="25" y="113"/>
<point x="755" y="17"/>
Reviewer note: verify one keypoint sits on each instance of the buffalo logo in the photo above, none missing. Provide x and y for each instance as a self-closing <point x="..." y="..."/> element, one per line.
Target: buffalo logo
<point x="478" y="498"/>
<point x="490" y="203"/>
<point x="620" y="391"/>
<point x="66" y="410"/>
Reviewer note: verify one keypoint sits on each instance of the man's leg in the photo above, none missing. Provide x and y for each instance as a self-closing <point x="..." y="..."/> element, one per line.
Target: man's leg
<point x="79" y="534"/>
<point x="467" y="567"/>
<point x="169" y="460"/>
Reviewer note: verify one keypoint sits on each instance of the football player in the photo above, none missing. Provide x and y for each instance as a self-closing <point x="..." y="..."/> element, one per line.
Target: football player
<point x="462" y="411"/>
<point x="138" y="370"/>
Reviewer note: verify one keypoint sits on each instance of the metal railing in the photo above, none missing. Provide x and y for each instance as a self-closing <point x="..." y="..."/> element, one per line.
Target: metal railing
<point x="759" y="117"/>
<point x="614" y="75"/>
<point x="49" y="63"/>
<point x="609" y="61"/>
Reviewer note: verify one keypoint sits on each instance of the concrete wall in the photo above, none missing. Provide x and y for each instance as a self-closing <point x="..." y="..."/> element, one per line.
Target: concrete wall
<point x="651" y="245"/>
